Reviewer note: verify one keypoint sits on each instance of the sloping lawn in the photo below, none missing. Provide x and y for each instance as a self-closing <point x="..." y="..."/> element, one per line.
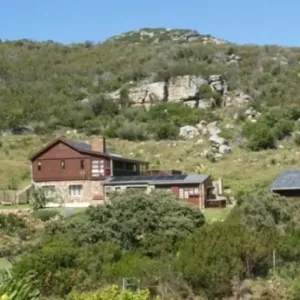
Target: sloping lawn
<point x="216" y="214"/>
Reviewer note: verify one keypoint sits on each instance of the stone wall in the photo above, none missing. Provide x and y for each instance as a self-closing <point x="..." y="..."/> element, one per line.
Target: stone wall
<point x="90" y="188"/>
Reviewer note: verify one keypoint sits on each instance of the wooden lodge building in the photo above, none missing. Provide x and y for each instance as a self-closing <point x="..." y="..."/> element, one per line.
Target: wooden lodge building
<point x="86" y="173"/>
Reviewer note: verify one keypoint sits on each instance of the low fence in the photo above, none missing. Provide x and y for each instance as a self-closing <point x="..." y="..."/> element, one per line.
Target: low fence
<point x="12" y="197"/>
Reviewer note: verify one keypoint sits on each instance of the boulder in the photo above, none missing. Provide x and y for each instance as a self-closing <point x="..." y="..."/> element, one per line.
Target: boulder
<point x="213" y="128"/>
<point x="224" y="149"/>
<point x="188" y="132"/>
<point x="217" y="140"/>
<point x="183" y="88"/>
<point x="218" y="84"/>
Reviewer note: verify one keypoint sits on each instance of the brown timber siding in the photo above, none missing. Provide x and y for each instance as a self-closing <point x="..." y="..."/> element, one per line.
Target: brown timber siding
<point x="51" y="168"/>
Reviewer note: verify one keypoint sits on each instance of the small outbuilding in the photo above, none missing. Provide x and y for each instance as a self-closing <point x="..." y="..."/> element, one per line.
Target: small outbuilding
<point x="287" y="184"/>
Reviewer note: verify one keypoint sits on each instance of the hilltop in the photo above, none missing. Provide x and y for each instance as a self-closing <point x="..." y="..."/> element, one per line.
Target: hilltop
<point x="160" y="35"/>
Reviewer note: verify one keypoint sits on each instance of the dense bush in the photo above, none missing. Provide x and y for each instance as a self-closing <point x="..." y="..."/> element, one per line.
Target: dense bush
<point x="113" y="293"/>
<point x="227" y="251"/>
<point x="259" y="136"/>
<point x="11" y="223"/>
<point x="46" y="214"/>
<point x="133" y="217"/>
<point x="265" y="209"/>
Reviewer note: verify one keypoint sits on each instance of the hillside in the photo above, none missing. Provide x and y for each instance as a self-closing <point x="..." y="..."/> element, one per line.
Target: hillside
<point x="148" y="85"/>
<point x="43" y="84"/>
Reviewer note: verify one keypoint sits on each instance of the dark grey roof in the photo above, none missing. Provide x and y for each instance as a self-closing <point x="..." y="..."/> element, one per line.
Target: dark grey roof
<point x="86" y="147"/>
<point x="83" y="146"/>
<point x="158" y="179"/>
<point x="288" y="180"/>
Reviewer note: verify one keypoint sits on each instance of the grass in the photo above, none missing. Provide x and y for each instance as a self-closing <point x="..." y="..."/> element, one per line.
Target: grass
<point x="216" y="214"/>
<point x="13" y="207"/>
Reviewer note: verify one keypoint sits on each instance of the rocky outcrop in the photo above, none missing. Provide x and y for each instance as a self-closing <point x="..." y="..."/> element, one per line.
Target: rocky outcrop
<point x="188" y="132"/>
<point x="218" y="84"/>
<point x="184" y="89"/>
<point x="178" y="89"/>
<point x="252" y="114"/>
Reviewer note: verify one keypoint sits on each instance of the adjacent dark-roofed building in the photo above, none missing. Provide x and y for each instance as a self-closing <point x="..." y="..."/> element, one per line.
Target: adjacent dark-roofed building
<point x="287" y="184"/>
<point x="196" y="189"/>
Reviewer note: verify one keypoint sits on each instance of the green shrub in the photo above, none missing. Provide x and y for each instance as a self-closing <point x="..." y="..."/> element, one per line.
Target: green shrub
<point x="132" y="131"/>
<point x="164" y="130"/>
<point x="11" y="223"/>
<point x="227" y="251"/>
<point x="297" y="139"/>
<point x="46" y="214"/>
<point x="113" y="293"/>
<point x="282" y="128"/>
<point x="259" y="136"/>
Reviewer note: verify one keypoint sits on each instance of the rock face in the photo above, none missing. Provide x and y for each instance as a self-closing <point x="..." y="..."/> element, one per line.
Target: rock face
<point x="179" y="89"/>
<point x="184" y="89"/>
<point x="218" y="84"/>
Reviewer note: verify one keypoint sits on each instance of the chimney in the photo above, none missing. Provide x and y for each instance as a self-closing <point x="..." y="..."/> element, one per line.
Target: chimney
<point x="98" y="144"/>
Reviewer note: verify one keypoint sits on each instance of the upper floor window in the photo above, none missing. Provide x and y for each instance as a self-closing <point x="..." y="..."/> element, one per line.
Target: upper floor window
<point x="82" y="164"/>
<point x="39" y="166"/>
<point x="98" y="168"/>
<point x="63" y="165"/>
<point x="185" y="193"/>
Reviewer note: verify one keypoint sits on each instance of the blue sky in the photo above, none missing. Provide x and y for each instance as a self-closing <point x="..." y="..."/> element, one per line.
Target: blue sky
<point x="67" y="21"/>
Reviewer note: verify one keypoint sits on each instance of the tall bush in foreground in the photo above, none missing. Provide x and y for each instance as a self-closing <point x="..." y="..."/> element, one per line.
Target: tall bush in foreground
<point x="17" y="289"/>
<point x="112" y="293"/>
<point x="134" y="218"/>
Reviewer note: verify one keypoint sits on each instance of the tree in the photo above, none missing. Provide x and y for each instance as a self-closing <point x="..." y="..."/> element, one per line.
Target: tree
<point x="212" y="257"/>
<point x="38" y="198"/>
<point x="259" y="136"/>
<point x="134" y="217"/>
<point x="266" y="209"/>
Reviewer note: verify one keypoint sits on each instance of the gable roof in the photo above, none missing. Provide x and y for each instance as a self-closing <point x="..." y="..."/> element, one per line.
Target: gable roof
<point x="287" y="180"/>
<point x="84" y="147"/>
<point x="158" y="179"/>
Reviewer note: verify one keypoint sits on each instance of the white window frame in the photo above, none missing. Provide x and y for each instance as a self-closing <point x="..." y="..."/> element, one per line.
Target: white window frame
<point x="75" y="190"/>
<point x="98" y="168"/>
<point x="185" y="193"/>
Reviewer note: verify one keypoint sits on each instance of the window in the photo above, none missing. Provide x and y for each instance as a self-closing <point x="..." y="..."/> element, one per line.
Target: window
<point x="49" y="191"/>
<point x="185" y="193"/>
<point x="82" y="164"/>
<point x="63" y="164"/>
<point x="98" y="168"/>
<point x="108" y="191"/>
<point x="75" y="190"/>
<point x="117" y="188"/>
<point x="39" y="166"/>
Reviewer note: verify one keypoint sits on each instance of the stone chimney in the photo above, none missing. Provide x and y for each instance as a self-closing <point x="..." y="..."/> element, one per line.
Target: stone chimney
<point x="98" y="144"/>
